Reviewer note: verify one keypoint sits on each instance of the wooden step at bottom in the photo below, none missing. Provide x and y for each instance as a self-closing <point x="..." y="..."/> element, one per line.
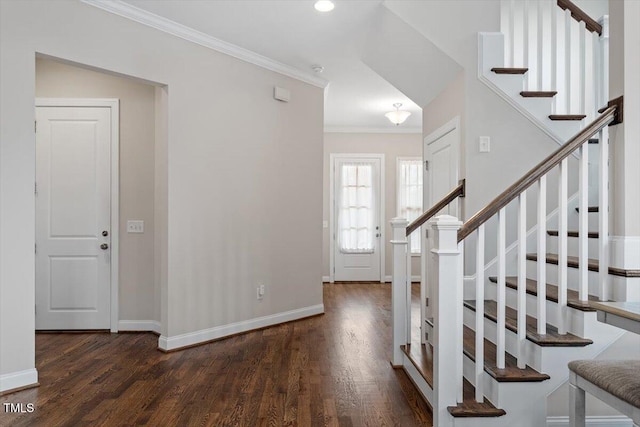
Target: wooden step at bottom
<point x="502" y="70"/>
<point x="538" y="94"/>
<point x="550" y="339"/>
<point x="510" y="373"/>
<point x="470" y="408"/>
<point x="592" y="265"/>
<point x="590" y="209"/>
<point x="571" y="117"/>
<point x="421" y="357"/>
<point x="590" y="234"/>
<point x="573" y="299"/>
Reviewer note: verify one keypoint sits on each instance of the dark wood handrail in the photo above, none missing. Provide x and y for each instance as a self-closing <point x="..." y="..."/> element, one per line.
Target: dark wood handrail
<point x="580" y="15"/>
<point x="450" y="197"/>
<point x="607" y="117"/>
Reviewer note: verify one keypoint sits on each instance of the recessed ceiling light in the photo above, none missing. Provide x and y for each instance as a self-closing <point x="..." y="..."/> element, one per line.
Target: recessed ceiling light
<point x="324" y="5"/>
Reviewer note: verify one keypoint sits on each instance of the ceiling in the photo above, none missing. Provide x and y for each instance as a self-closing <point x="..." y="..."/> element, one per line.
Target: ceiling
<point x="292" y="32"/>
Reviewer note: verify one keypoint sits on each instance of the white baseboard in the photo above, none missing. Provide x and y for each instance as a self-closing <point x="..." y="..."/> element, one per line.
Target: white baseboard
<point x="18" y="379"/>
<point x="388" y="279"/>
<point x="611" y="421"/>
<point x="326" y="279"/>
<point x="139" y="325"/>
<point x="204" y="335"/>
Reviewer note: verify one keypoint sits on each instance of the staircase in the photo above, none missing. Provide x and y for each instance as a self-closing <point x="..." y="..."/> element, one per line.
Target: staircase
<point x="496" y="346"/>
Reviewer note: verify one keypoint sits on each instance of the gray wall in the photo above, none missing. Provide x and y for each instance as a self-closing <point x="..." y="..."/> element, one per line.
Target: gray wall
<point x="234" y="157"/>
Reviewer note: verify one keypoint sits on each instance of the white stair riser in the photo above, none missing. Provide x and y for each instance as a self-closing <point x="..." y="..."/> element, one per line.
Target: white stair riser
<point x="572" y="246"/>
<point x="533" y="352"/>
<point x="572" y="276"/>
<point x="574" y="318"/>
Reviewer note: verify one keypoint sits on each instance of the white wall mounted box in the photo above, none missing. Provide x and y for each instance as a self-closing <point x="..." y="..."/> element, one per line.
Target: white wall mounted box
<point x="281" y="94"/>
<point x="135" y="226"/>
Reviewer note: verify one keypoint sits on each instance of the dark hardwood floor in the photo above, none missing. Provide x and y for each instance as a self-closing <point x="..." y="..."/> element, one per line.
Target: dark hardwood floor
<point x="330" y="370"/>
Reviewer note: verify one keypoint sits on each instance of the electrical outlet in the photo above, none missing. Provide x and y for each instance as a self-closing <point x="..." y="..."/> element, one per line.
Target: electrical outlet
<point x="135" y="226"/>
<point x="260" y="291"/>
<point x="261" y="287"/>
<point x="258" y="295"/>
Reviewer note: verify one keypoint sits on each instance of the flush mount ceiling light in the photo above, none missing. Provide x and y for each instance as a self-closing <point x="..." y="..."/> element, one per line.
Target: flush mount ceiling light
<point x="397" y="117"/>
<point x="324" y="5"/>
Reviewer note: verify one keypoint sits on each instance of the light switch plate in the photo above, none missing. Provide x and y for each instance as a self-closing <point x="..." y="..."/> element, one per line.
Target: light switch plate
<point x="484" y="144"/>
<point x="135" y="226"/>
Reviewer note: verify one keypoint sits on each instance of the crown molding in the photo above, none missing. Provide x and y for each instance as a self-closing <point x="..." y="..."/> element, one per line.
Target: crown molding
<point x="121" y="8"/>
<point x="341" y="129"/>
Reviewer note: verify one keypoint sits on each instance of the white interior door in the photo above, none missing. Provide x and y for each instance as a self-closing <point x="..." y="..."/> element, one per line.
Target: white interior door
<point x="441" y="151"/>
<point x="73" y="226"/>
<point x="442" y="156"/>
<point x="357" y="212"/>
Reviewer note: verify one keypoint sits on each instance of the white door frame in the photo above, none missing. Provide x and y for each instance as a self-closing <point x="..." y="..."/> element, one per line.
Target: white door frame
<point x="332" y="207"/>
<point x="113" y="104"/>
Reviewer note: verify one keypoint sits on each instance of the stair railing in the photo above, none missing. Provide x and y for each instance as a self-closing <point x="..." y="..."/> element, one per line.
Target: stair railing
<point x="449" y="237"/>
<point x="565" y="50"/>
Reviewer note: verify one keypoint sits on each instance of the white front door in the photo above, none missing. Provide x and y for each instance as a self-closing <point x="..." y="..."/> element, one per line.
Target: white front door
<point x="73" y="225"/>
<point x="357" y="212"/>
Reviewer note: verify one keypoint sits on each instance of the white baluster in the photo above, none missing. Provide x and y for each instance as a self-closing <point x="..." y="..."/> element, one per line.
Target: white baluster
<point x="542" y="255"/>
<point x="447" y="304"/>
<point x="567" y="60"/>
<point x="582" y="67"/>
<point x="604" y="62"/>
<point x="603" y="218"/>
<point x="409" y="290"/>
<point x="554" y="50"/>
<point x="480" y="315"/>
<point x="562" y="247"/>
<point x="399" y="289"/>
<point x="512" y="34"/>
<point x="522" y="279"/>
<point x="525" y="43"/>
<point x="583" y="227"/>
<point x="424" y="293"/>
<point x="501" y="290"/>
<point x="540" y="44"/>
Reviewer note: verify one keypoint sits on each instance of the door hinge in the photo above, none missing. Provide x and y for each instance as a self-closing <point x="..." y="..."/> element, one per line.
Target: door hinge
<point x="35" y="126"/>
<point x="426" y="165"/>
<point x="35" y="188"/>
<point x="426" y="233"/>
<point x="426" y="301"/>
<point x="35" y="248"/>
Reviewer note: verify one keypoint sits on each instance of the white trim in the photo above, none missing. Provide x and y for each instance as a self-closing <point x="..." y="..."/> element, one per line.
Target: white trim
<point x="114" y="105"/>
<point x="332" y="161"/>
<point x="163" y="24"/>
<point x="326" y="279"/>
<point x="204" y="335"/>
<point x="18" y="379"/>
<point x="594" y="421"/>
<point x="355" y="129"/>
<point x="450" y="126"/>
<point x="140" y="325"/>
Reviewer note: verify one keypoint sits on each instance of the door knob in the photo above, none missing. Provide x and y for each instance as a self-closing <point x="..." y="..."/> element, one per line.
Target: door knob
<point x="105" y="233"/>
<point x="377" y="234"/>
<point x="104" y="246"/>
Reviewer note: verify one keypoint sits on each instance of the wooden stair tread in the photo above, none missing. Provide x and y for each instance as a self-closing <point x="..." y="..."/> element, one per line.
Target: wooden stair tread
<point x="422" y="358"/>
<point x="591" y="209"/>
<point x="557" y="117"/>
<point x="511" y="372"/>
<point x="470" y="408"/>
<point x="573" y="299"/>
<point x="538" y="93"/>
<point x="574" y="233"/>
<point x="503" y="70"/>
<point x="592" y="265"/>
<point x="551" y="339"/>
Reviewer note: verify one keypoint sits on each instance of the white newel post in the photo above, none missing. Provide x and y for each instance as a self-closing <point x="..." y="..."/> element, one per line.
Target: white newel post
<point x="399" y="307"/>
<point x="447" y="305"/>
